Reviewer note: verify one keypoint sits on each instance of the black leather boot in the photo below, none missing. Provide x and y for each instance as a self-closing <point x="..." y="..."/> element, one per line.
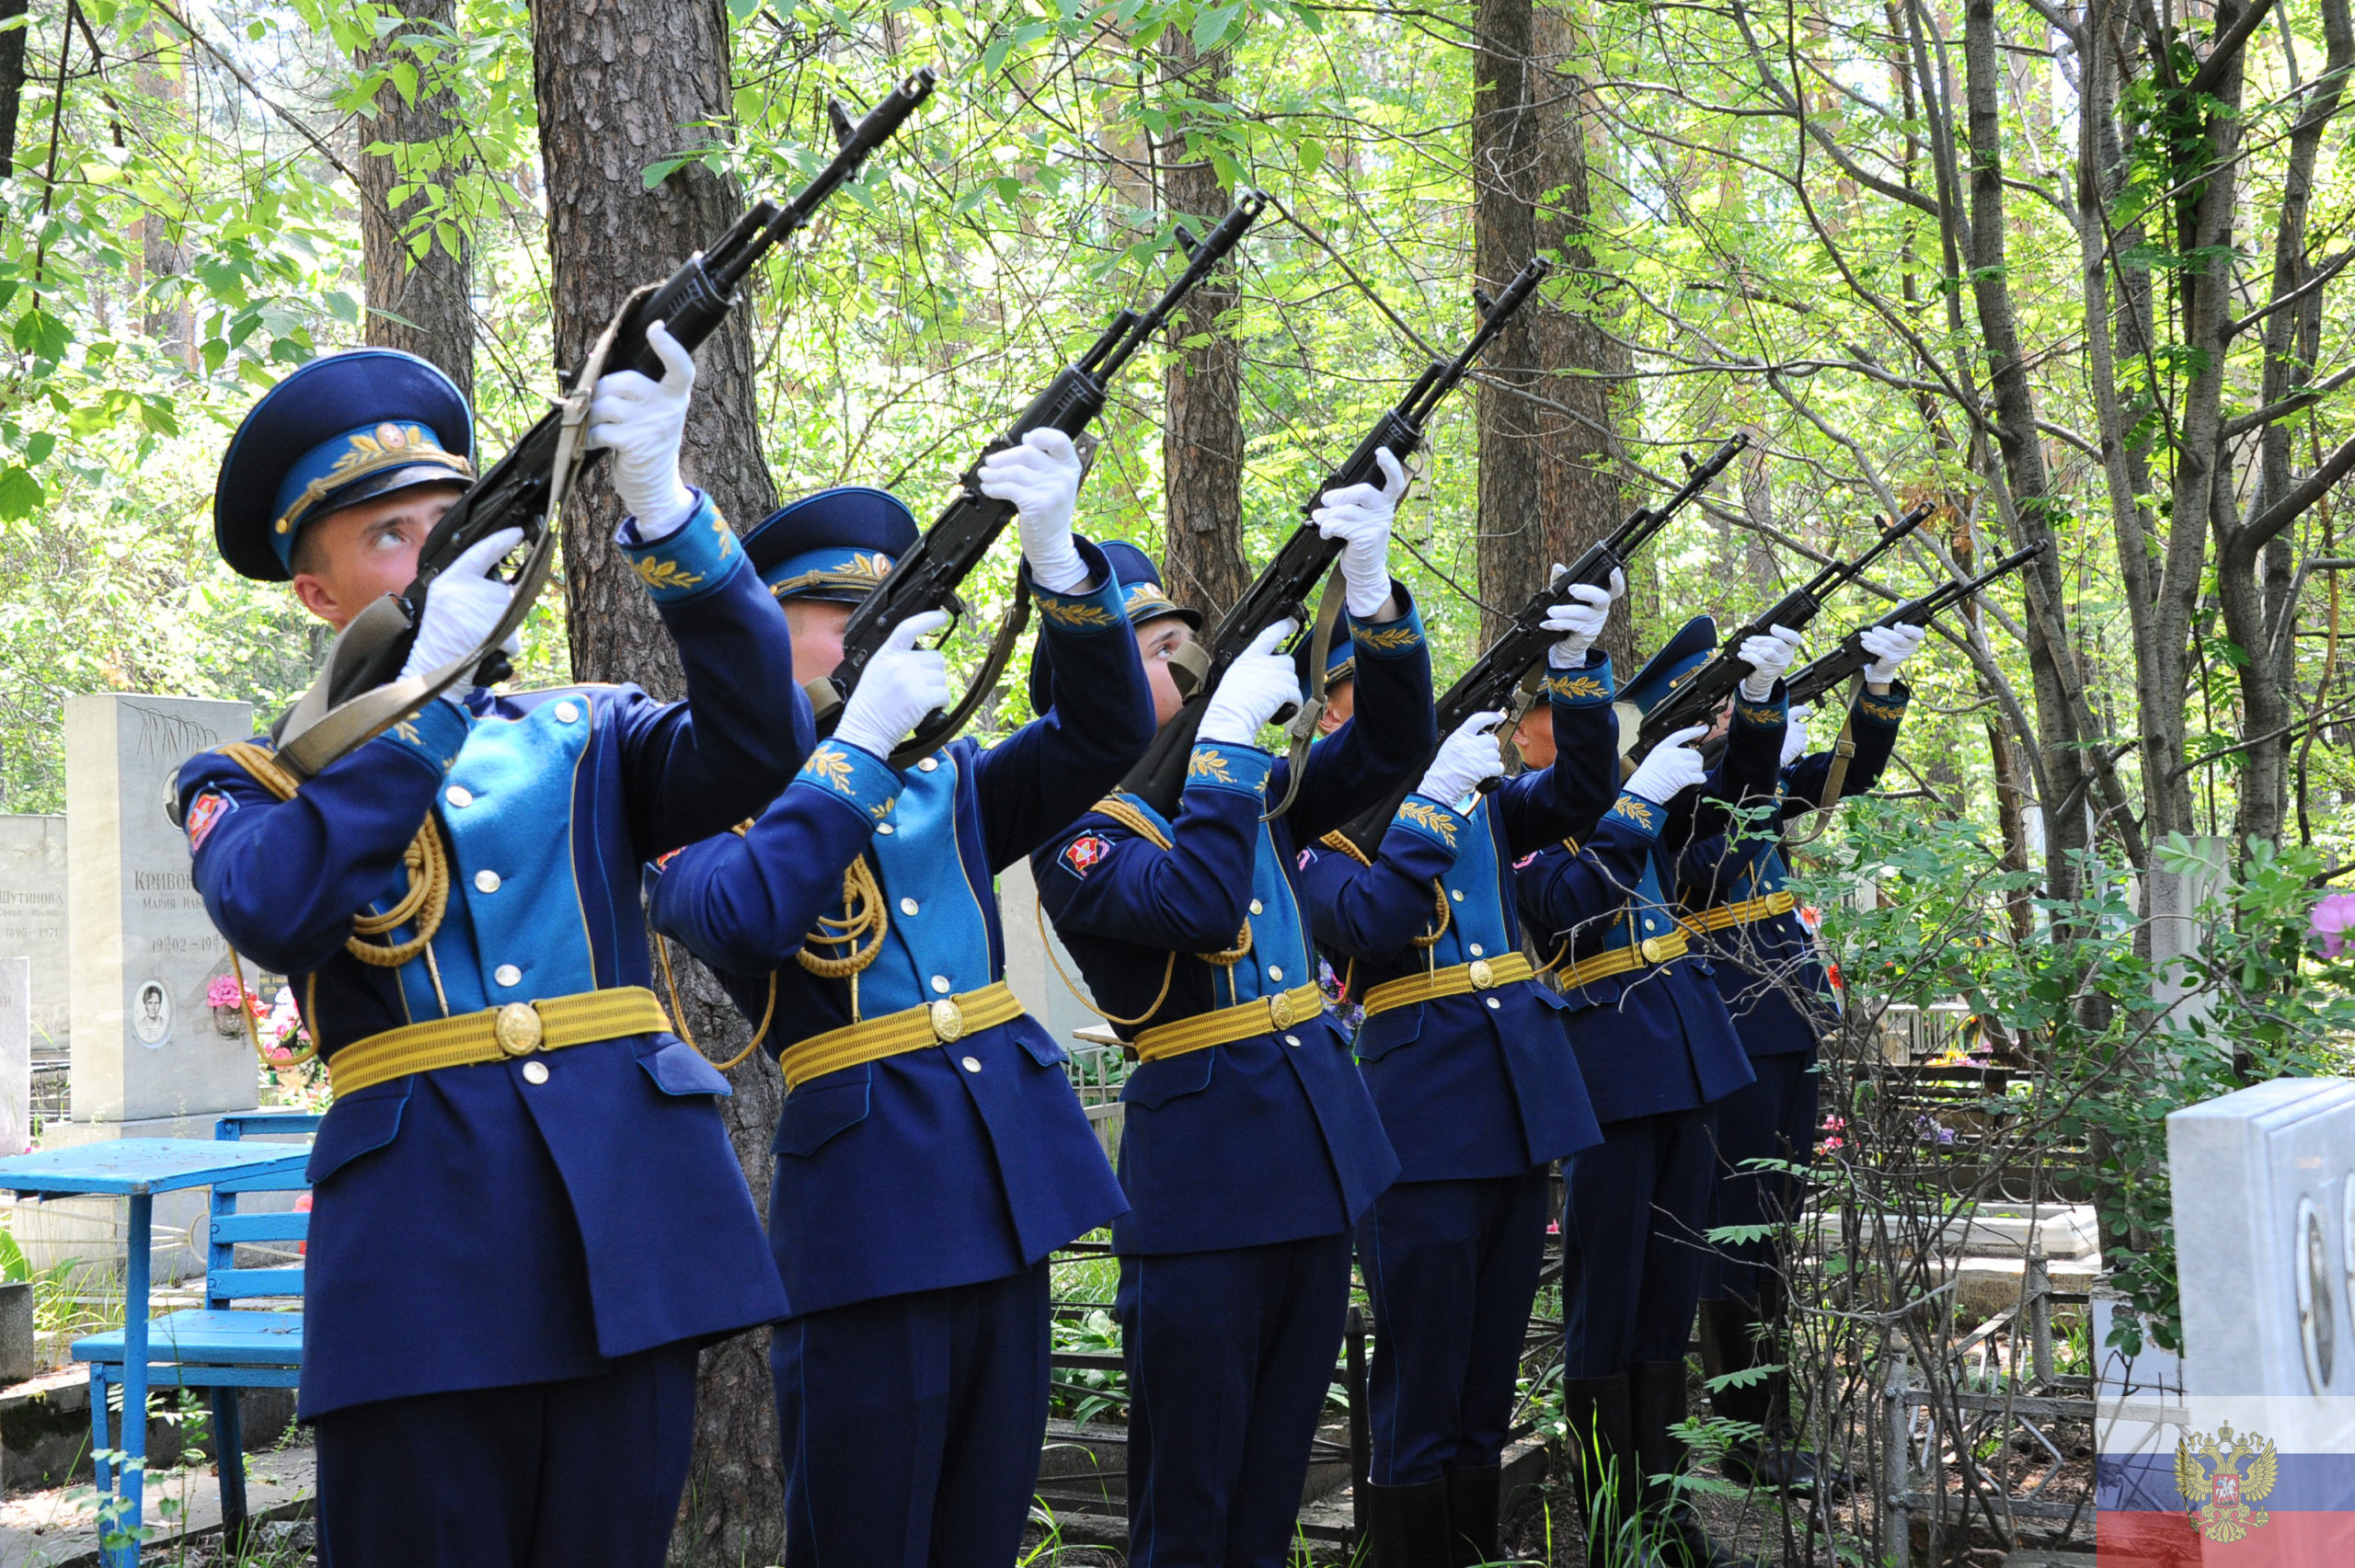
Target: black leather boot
<point x="1474" y="1500"/>
<point x="1735" y="1338"/>
<point x="1602" y="1445"/>
<point x="1656" y="1392"/>
<point x="1407" y="1525"/>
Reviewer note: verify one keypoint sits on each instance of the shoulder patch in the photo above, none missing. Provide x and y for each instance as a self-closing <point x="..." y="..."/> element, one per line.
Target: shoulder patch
<point x="1081" y="855"/>
<point x="1522" y="864"/>
<point x="204" y="814"/>
<point x="1302" y="863"/>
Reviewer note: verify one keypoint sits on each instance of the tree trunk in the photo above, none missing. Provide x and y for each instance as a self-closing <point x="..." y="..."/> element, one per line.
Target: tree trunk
<point x="620" y="83"/>
<point x="419" y="303"/>
<point x="1505" y="174"/>
<point x="1201" y="444"/>
<point x="11" y="83"/>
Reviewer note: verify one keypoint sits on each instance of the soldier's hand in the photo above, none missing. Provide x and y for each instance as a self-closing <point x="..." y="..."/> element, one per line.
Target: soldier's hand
<point x="642" y="423"/>
<point x="1579" y="621"/>
<point x="1465" y="758"/>
<point x="1890" y="646"/>
<point x="1795" y="735"/>
<point x="1359" y="515"/>
<point x="1768" y="655"/>
<point x="1253" y="689"/>
<point x="1673" y="768"/>
<point x="901" y="684"/>
<point x="1042" y="478"/>
<point x="460" y="609"/>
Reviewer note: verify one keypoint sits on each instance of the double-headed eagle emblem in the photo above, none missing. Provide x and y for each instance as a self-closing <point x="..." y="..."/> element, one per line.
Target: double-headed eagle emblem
<point x="2222" y="1476"/>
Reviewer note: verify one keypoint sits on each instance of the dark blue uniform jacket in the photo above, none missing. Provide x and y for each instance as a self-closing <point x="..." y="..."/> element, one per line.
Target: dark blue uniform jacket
<point x="1653" y="1037"/>
<point x="1482" y="1084"/>
<point x="473" y="1230"/>
<point x="961" y="1162"/>
<point x="1270" y="1138"/>
<point x="1762" y="963"/>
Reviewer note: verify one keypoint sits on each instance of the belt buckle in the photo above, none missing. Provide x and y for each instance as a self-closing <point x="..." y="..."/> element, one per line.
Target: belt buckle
<point x="1280" y="1010"/>
<point x="518" y="1029"/>
<point x="1652" y="948"/>
<point x="1481" y="974"/>
<point x="947" y="1020"/>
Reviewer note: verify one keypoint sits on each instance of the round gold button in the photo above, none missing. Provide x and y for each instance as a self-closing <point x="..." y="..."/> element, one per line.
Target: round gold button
<point x="947" y="1022"/>
<point x="1482" y="975"/>
<point x="517" y="1029"/>
<point x="1653" y="949"/>
<point x="535" y="1072"/>
<point x="486" y="881"/>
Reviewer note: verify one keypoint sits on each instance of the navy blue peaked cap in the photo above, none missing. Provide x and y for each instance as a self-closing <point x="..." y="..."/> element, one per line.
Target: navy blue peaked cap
<point x="836" y="545"/>
<point x="344" y="428"/>
<point x="1667" y="670"/>
<point x="1142" y="595"/>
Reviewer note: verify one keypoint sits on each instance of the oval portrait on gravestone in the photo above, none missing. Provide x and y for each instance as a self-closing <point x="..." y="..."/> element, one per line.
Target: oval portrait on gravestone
<point x="151" y="1013"/>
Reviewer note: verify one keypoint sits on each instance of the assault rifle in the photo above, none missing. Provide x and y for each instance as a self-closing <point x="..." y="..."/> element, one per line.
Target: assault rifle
<point x="1698" y="699"/>
<point x="359" y="694"/>
<point x="1489" y="685"/>
<point x="1834" y="668"/>
<point x="926" y="578"/>
<point x="1285" y="587"/>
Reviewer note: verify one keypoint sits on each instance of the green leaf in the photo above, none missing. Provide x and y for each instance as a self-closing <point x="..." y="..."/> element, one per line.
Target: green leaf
<point x="39" y="445"/>
<point x="20" y="493"/>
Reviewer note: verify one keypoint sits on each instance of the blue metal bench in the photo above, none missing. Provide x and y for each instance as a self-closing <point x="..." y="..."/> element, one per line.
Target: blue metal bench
<point x="219" y="1346"/>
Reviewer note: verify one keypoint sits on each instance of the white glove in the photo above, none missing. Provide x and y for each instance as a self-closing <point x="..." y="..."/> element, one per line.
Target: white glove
<point x="1795" y="737"/>
<point x="1465" y="758"/>
<point x="1768" y="655"/>
<point x="1673" y="768"/>
<point x="1360" y="515"/>
<point x="642" y="423"/>
<point x="1253" y="689"/>
<point x="1042" y="478"/>
<point x="901" y="683"/>
<point x="1890" y="646"/>
<point x="460" y="609"/>
<point x="1578" y="622"/>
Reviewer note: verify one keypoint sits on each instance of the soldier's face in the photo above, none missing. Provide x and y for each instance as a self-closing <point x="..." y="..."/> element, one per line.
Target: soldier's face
<point x="817" y="626"/>
<point x="1534" y="735"/>
<point x="1340" y="704"/>
<point x="353" y="557"/>
<point x="1157" y="640"/>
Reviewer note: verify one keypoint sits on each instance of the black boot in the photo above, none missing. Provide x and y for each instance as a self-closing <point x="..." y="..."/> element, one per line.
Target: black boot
<point x="1656" y="1393"/>
<point x="1601" y="1443"/>
<point x="1735" y="1338"/>
<point x="1473" y="1497"/>
<point x="1407" y="1525"/>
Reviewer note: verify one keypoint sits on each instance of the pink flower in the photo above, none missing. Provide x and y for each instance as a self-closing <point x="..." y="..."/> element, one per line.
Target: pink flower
<point x="225" y="991"/>
<point x="2333" y="914"/>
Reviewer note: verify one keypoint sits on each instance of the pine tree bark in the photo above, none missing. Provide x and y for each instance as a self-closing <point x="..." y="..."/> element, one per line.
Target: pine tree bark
<point x="1201" y="442"/>
<point x="11" y="83"/>
<point x="418" y="304"/>
<point x="619" y="84"/>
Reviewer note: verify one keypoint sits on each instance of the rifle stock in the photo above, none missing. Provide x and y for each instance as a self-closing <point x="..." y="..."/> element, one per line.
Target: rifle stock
<point x="1489" y="684"/>
<point x="927" y="576"/>
<point x="1285" y="586"/>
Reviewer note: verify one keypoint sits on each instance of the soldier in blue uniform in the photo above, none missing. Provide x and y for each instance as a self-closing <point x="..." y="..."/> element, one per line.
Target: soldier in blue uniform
<point x="1468" y="1063"/>
<point x="528" y="1213"/>
<point x="1733" y="893"/>
<point x="1656" y="1051"/>
<point x="1250" y="1147"/>
<point x="931" y="1151"/>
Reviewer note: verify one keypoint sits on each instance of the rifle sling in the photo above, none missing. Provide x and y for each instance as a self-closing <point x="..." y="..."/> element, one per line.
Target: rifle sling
<point x="1009" y="632"/>
<point x="1302" y="727"/>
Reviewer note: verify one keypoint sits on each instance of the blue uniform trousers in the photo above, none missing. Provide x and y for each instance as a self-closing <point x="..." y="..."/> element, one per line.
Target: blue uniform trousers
<point x="1230" y="1354"/>
<point x="1451" y="1269"/>
<point x="1773" y="1118"/>
<point x="1635" y="1241"/>
<point x="582" y="1473"/>
<point x="910" y="1426"/>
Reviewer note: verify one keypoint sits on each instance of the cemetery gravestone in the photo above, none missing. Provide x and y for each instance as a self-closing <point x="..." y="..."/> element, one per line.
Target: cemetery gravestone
<point x="143" y="953"/>
<point x="15" y="1055"/>
<point x="32" y="918"/>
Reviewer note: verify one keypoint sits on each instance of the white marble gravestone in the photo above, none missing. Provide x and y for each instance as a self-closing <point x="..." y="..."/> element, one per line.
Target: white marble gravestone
<point x="33" y="917"/>
<point x="16" y="1059"/>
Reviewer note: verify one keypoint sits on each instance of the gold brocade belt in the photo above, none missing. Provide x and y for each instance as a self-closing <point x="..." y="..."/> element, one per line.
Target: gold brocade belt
<point x="1651" y="950"/>
<point x="1456" y="979"/>
<point x="496" y="1033"/>
<point x="1780" y="903"/>
<point x="1261" y="1016"/>
<point x="896" y="1034"/>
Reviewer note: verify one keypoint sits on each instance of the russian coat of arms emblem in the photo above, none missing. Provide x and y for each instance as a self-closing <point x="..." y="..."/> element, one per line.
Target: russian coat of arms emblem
<point x="2224" y="1477"/>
